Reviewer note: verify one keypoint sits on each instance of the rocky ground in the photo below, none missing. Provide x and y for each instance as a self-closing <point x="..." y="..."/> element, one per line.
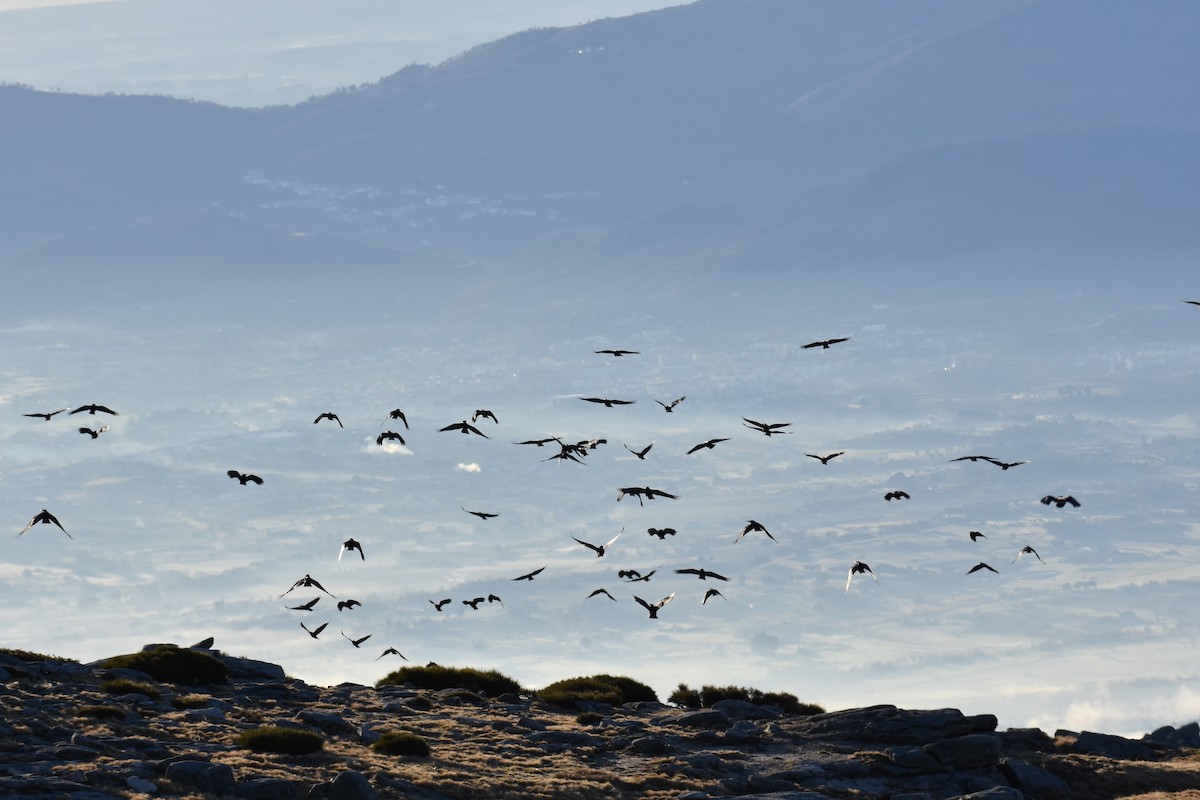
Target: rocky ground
<point x="63" y="736"/>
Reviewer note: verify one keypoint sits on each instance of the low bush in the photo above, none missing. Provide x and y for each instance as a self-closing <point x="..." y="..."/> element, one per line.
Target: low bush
<point x="29" y="656"/>
<point x="401" y="743"/>
<point x="189" y="701"/>
<point x="687" y="697"/>
<point x="171" y="664"/>
<point x="101" y="712"/>
<point x="590" y="718"/>
<point x="434" y="676"/>
<point x="612" y="689"/>
<point x="274" y="739"/>
<point x="127" y="686"/>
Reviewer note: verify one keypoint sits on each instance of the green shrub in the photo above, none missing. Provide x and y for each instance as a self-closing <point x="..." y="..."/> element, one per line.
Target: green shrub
<point x="612" y="689"/>
<point x="187" y="701"/>
<point x="30" y="656"/>
<point x="101" y="712"/>
<point x="687" y="697"/>
<point x="126" y="686"/>
<point x="172" y="664"/>
<point x="589" y="718"/>
<point x="433" y="676"/>
<point x="401" y="743"/>
<point x="274" y="739"/>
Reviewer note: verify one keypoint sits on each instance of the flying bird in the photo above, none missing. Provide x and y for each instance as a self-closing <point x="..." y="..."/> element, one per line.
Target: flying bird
<point x="355" y="642"/>
<point x="824" y="343"/>
<point x="633" y="576"/>
<point x="896" y="495"/>
<point x="315" y="632"/>
<point x="751" y="527"/>
<point x="702" y="574"/>
<point x="654" y="609"/>
<point x="1005" y="465"/>
<point x="46" y="415"/>
<point x="480" y="514"/>
<point x="528" y="576"/>
<point x="328" y="415"/>
<point x="1193" y="302"/>
<point x="858" y="568"/>
<point x="828" y="458"/>
<point x="600" y="548"/>
<point x="495" y="598"/>
<point x="710" y="444"/>
<point x="396" y="413"/>
<point x="976" y="535"/>
<point x="389" y="436"/>
<point x="305" y="606"/>
<point x="483" y="413"/>
<point x="617" y="353"/>
<point x="474" y="603"/>
<point x="94" y="432"/>
<point x="979" y="566"/>
<point x="308" y="580"/>
<point x="972" y="458"/>
<point x="606" y="402"/>
<point x="46" y="518"/>
<point x="661" y="533"/>
<point x="710" y="594"/>
<point x="1060" y="501"/>
<point x="766" y="428"/>
<point x="670" y="407"/>
<point x="92" y="408"/>
<point x="351" y="544"/>
<point x="603" y="592"/>
<point x="643" y="492"/>
<point x="244" y="477"/>
<point x="539" y="442"/>
<point x="464" y="427"/>
<point x="439" y="604"/>
<point x="641" y="454"/>
<point x="347" y="604"/>
<point x="1030" y="551"/>
<point x="391" y="651"/>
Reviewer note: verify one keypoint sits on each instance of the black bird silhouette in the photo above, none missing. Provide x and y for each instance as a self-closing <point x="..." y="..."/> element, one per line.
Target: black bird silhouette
<point x="858" y="568"/>
<point x="46" y="415"/>
<point x="474" y="603"/>
<point x="396" y="413"/>
<point x="711" y="593"/>
<point x="94" y="432"/>
<point x="824" y="343"/>
<point x="702" y="574"/>
<point x="439" y="604"/>
<point x="539" y="442"/>
<point x="600" y="548"/>
<point x="391" y="651"/>
<point x="1060" y="501"/>
<point x="1004" y="465"/>
<point x="767" y="428"/>
<point x="92" y="408"/>
<point x="896" y="495"/>
<point x="348" y="604"/>
<point x="976" y="535"/>
<point x="389" y="436"/>
<point x="643" y="492"/>
<point x="528" y="576"/>
<point x="328" y="415"/>
<point x="972" y="458"/>
<point x="1193" y="302"/>
<point x="1028" y="550"/>
<point x="979" y="566"/>
<point x="752" y="526"/>
<point x="351" y="544"/>
<point x="355" y="642"/>
<point x="495" y="598"/>
<point x="305" y="606"/>
<point x="480" y="514"/>
<point x="710" y="444"/>
<point x="483" y="413"/>
<point x="641" y="454"/>
<point x="828" y="458"/>
<point x="44" y="517"/>
<point x="661" y="533"/>
<point x="465" y="428"/>
<point x="603" y="592"/>
<point x="617" y="353"/>
<point x="315" y="632"/>
<point x="308" y="580"/>
<point x="606" y="402"/>
<point x="633" y="576"/>
<point x="654" y="609"/>
<point x="669" y="407"/>
<point x="244" y="477"/>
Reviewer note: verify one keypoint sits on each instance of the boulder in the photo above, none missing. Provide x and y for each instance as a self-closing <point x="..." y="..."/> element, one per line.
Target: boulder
<point x="348" y="785"/>
<point x="1111" y="746"/>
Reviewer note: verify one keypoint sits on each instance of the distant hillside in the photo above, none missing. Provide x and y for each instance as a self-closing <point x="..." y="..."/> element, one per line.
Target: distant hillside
<point x="725" y="133"/>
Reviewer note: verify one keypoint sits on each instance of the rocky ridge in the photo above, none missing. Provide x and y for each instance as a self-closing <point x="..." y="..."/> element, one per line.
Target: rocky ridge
<point x="54" y="743"/>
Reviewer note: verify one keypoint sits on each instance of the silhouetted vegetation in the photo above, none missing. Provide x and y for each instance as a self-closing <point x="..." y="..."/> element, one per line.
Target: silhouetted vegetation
<point x="127" y="686"/>
<point x="29" y="656"/>
<point x="401" y="743"/>
<point x="687" y="697"/>
<point x="274" y="739"/>
<point x="187" y="701"/>
<point x="434" y="676"/>
<point x="101" y="712"/>
<point x="172" y="664"/>
<point x="612" y="689"/>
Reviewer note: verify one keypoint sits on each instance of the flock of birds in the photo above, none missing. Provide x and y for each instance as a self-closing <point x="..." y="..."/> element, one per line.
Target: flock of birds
<point x="572" y="451"/>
